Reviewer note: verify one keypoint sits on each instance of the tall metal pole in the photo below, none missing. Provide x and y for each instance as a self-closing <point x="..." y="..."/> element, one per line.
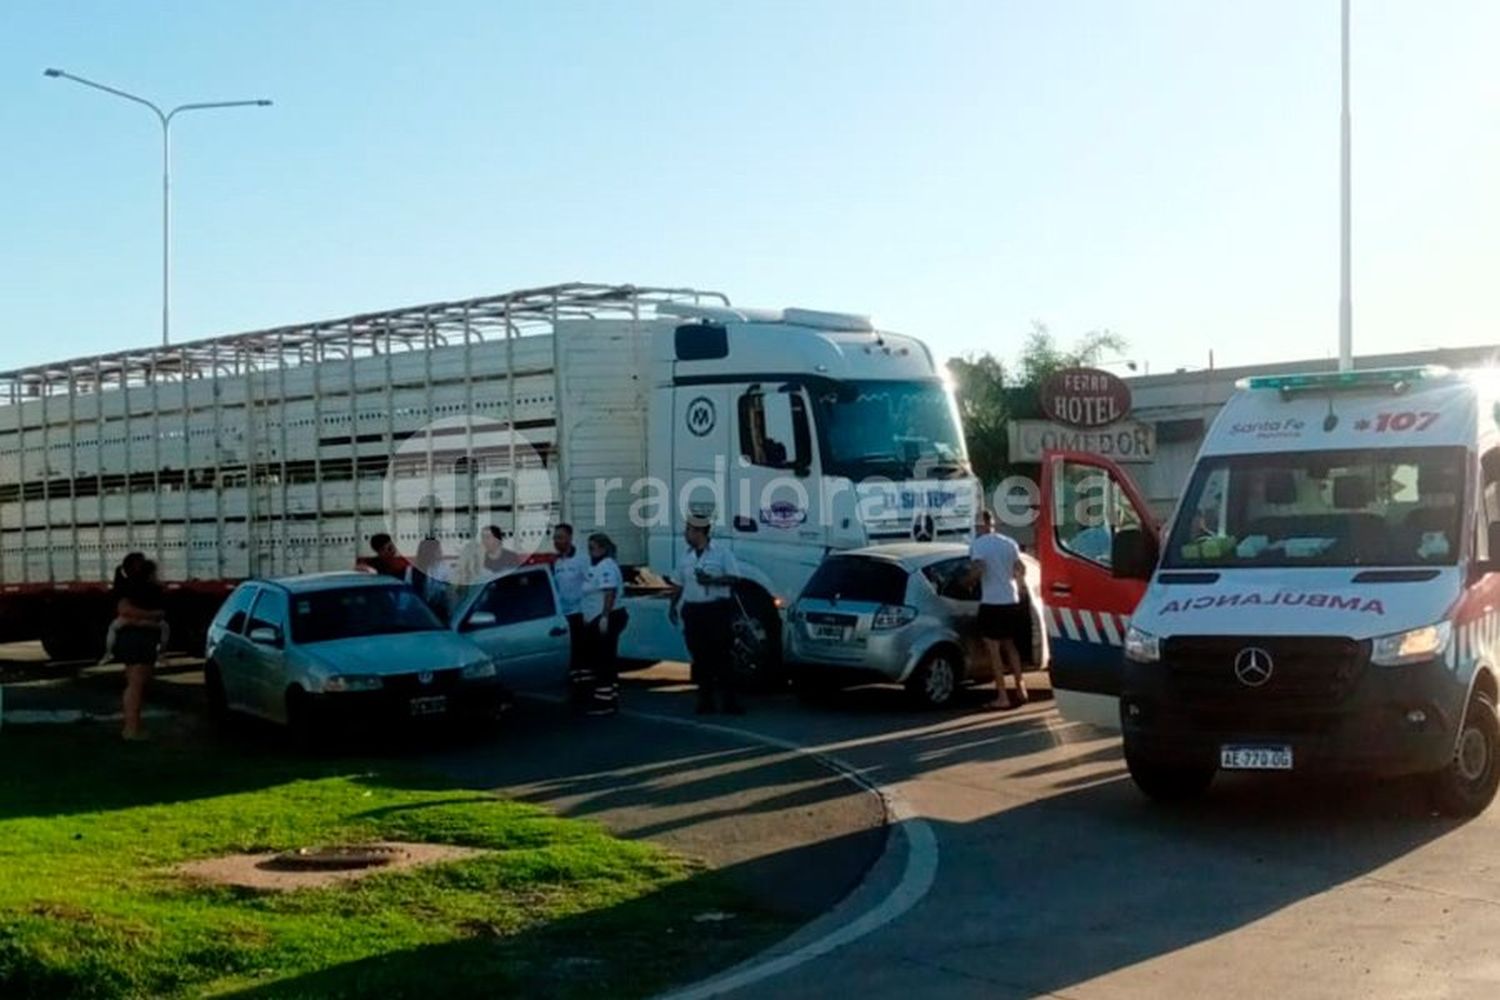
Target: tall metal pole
<point x="1346" y="306"/>
<point x="166" y="230"/>
<point x="165" y="118"/>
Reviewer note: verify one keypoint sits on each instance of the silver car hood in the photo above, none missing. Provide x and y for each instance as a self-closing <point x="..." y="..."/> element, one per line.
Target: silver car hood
<point x="398" y="653"/>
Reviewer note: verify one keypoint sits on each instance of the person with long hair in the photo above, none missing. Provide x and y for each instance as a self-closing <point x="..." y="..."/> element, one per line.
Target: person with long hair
<point x="603" y="621"/>
<point x="428" y="576"/>
<point x="140" y="609"/>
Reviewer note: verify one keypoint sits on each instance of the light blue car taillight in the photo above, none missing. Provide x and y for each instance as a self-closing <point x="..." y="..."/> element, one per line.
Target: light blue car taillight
<point x="889" y="616"/>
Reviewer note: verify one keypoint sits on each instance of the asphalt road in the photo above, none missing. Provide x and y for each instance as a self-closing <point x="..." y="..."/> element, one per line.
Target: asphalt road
<point x="1055" y="878"/>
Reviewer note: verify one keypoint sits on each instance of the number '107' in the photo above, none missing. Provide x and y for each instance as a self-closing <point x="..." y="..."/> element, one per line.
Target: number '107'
<point x="1406" y="420"/>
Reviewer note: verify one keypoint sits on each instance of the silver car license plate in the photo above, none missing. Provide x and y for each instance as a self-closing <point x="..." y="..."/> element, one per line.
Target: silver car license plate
<point x="435" y="705"/>
<point x="1234" y="757"/>
<point x="828" y="633"/>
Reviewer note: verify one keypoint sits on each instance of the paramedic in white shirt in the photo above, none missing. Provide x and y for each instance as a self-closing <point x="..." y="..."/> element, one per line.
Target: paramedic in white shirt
<point x="568" y="569"/>
<point x="603" y="621"/>
<point x="705" y="575"/>
<point x="995" y="561"/>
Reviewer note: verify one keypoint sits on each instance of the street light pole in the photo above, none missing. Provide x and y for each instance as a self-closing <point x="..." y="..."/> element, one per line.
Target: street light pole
<point x="1346" y="305"/>
<point x="165" y="119"/>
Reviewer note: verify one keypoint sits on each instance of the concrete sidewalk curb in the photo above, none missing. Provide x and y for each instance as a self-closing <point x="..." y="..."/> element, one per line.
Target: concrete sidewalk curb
<point x="894" y="883"/>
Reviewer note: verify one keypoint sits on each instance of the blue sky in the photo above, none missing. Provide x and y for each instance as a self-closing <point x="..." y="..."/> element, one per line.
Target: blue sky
<point x="1165" y="169"/>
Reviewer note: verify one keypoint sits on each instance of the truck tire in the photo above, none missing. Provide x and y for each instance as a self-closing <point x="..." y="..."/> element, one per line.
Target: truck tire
<point x="756" y="642"/>
<point x="66" y="641"/>
<point x="1467" y="785"/>
<point x="938" y="678"/>
<point x="1169" y="782"/>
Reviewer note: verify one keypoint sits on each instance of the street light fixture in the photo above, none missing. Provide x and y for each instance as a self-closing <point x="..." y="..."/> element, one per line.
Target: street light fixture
<point x="165" y="118"/>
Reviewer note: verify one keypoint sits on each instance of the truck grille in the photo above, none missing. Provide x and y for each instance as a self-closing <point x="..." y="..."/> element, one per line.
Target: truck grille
<point x="1310" y="678"/>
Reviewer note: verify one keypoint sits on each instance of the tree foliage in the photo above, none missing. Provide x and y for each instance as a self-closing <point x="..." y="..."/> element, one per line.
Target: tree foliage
<point x="990" y="394"/>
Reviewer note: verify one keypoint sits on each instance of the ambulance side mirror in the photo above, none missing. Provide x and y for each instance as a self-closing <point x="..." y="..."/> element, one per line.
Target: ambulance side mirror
<point x="1132" y="554"/>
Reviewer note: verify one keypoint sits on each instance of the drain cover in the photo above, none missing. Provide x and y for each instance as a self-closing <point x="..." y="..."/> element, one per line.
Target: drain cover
<point x="335" y="858"/>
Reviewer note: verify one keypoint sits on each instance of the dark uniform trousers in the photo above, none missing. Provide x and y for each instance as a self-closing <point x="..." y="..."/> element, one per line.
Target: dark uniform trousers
<point x="707" y="629"/>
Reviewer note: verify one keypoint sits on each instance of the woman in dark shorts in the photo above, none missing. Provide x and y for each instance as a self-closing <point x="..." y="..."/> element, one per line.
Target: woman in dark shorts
<point x="138" y="639"/>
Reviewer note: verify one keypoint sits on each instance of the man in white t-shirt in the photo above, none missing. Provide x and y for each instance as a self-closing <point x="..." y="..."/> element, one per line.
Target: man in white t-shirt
<point x="995" y="562"/>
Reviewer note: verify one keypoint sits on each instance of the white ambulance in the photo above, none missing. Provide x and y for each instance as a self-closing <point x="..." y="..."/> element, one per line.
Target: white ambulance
<point x="1325" y="597"/>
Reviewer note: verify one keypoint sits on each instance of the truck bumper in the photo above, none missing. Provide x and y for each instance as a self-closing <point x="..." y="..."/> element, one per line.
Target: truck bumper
<point x="1395" y="720"/>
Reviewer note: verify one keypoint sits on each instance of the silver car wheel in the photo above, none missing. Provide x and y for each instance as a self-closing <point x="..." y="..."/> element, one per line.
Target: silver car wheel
<point x="941" y="680"/>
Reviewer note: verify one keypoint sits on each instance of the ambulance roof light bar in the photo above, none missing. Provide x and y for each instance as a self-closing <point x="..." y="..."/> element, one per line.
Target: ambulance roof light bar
<point x="1397" y="380"/>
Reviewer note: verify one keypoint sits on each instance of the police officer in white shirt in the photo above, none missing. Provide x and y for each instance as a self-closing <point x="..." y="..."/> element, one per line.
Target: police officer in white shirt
<point x="995" y="563"/>
<point x="568" y="568"/>
<point x="705" y="576"/>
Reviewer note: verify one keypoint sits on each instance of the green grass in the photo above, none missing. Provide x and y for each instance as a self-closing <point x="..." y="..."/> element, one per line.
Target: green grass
<point x="89" y="906"/>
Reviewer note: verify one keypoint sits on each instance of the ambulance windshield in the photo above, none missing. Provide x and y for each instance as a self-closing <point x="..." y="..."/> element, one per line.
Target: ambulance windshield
<point x="1386" y="507"/>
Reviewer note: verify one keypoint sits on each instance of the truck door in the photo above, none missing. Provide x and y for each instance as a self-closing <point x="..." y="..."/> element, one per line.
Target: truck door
<point x="771" y="520"/>
<point x="700" y="454"/>
<point x="1097" y="542"/>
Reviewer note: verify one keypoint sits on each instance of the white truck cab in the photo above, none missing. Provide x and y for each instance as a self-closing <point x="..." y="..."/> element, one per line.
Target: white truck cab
<point x="1324" y="598"/>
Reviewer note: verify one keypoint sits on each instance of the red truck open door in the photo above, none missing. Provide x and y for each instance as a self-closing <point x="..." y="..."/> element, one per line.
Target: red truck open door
<point x="1097" y="541"/>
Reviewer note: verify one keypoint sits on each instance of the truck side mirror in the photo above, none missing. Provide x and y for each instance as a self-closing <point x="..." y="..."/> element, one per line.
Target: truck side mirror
<point x="1132" y="554"/>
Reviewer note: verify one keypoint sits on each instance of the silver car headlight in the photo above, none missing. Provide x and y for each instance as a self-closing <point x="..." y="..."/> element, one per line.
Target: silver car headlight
<point x="339" y="683"/>
<point x="479" y="671"/>
<point x="1413" y="646"/>
<point x="1141" y="646"/>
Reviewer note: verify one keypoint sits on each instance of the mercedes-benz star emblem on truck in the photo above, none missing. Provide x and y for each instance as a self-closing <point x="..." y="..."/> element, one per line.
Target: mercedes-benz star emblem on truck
<point x="1253" y="666"/>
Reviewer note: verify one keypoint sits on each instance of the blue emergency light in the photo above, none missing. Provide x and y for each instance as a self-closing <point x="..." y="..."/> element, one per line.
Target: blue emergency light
<point x="1395" y="379"/>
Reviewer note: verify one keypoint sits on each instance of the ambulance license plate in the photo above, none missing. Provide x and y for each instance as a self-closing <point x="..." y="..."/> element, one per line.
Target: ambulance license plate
<point x="436" y="705"/>
<point x="1234" y="757"/>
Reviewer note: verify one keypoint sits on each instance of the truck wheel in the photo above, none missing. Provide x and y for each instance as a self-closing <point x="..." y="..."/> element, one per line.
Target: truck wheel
<point x="937" y="679"/>
<point x="1169" y="783"/>
<point x="1467" y="785"/>
<point x="755" y="639"/>
<point x="66" y="641"/>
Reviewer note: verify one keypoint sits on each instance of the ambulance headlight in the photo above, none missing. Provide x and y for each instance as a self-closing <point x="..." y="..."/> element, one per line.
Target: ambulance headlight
<point x="1425" y="643"/>
<point x="1141" y="646"/>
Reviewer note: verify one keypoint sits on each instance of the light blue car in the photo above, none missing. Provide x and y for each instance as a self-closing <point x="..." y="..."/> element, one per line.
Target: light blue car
<point x="311" y="651"/>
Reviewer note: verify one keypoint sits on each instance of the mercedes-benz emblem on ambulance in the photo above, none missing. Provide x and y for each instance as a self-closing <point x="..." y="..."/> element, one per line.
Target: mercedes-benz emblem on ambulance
<point x="1253" y="666"/>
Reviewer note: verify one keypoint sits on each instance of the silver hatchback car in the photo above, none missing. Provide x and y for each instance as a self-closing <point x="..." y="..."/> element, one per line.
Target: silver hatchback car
<point x="901" y="613"/>
<point x="316" y="650"/>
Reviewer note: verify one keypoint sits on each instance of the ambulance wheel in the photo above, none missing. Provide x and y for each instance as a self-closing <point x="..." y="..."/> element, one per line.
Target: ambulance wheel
<point x="1169" y="782"/>
<point x="1467" y="785"/>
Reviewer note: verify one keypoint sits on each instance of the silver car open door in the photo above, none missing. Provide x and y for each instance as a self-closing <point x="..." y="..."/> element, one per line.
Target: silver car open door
<point x="515" y="619"/>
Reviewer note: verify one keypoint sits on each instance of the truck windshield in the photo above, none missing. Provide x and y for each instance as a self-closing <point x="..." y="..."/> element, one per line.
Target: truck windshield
<point x="1385" y="507"/>
<point x="350" y="612"/>
<point x="899" y="430"/>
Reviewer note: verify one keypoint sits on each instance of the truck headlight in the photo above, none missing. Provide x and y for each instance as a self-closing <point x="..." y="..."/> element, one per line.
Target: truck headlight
<point x="352" y="682"/>
<point x="1141" y="646"/>
<point x="479" y="671"/>
<point x="1425" y="643"/>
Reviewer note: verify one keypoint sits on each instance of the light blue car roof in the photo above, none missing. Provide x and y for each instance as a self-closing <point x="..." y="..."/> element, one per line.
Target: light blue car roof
<point x="339" y="580"/>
